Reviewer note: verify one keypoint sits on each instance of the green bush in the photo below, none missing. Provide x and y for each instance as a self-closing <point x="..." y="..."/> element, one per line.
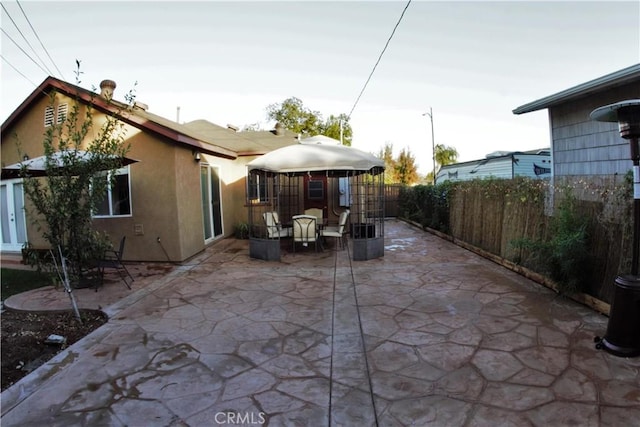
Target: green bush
<point x="564" y="255"/>
<point x="427" y="205"/>
<point x="241" y="230"/>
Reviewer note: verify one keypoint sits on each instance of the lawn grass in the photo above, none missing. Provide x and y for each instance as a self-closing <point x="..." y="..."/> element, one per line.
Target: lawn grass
<point x="17" y="281"/>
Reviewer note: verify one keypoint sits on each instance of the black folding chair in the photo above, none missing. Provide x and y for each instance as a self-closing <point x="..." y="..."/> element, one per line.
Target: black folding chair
<point x="113" y="260"/>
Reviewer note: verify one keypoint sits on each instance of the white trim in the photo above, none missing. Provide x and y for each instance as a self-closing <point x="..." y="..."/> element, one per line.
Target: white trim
<point x="211" y="218"/>
<point x="119" y="171"/>
<point x="14" y="244"/>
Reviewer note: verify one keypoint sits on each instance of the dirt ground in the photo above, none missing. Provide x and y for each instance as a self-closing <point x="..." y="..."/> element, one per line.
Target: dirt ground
<point x="24" y="334"/>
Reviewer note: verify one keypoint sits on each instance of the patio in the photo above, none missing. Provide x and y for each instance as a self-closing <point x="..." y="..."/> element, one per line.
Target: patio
<point x="429" y="334"/>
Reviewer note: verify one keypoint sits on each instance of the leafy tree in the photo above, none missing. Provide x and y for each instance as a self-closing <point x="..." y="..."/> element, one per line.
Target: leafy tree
<point x="405" y="168"/>
<point x="444" y="155"/>
<point x="428" y="178"/>
<point x="386" y="154"/>
<point x="76" y="181"/>
<point x="331" y="128"/>
<point x="293" y="115"/>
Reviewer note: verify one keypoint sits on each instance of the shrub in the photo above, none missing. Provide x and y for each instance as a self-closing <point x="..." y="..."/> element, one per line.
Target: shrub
<point x="427" y="205"/>
<point x="564" y="255"/>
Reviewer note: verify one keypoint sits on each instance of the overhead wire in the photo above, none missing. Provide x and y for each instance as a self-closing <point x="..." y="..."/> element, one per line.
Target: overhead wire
<point x="16" y="70"/>
<point x="23" y="51"/>
<point x="26" y="40"/>
<point x="38" y="37"/>
<point x="379" y="58"/>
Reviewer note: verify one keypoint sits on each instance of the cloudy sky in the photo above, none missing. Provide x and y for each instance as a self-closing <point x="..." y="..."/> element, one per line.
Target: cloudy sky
<point x="471" y="62"/>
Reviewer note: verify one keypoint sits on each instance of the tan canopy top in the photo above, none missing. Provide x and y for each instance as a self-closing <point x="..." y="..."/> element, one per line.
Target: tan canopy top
<point x="335" y="160"/>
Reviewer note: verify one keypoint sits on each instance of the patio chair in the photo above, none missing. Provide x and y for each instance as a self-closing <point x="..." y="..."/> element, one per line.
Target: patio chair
<point x="317" y="212"/>
<point x="339" y="231"/>
<point x="305" y="230"/>
<point x="112" y="259"/>
<point x="274" y="228"/>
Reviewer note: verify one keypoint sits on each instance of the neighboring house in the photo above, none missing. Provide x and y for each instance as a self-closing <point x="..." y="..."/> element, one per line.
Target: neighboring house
<point x="500" y="164"/>
<point x="186" y="190"/>
<point x="583" y="149"/>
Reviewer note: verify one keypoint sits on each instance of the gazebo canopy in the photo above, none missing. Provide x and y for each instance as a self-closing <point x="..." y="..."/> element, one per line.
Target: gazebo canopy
<point x="37" y="167"/>
<point x="335" y="160"/>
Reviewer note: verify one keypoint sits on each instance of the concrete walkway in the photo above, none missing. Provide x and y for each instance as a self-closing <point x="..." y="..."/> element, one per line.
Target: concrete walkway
<point x="431" y="334"/>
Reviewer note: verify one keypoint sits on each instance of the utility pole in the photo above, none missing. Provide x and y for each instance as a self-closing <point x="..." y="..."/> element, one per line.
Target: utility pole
<point x="433" y="144"/>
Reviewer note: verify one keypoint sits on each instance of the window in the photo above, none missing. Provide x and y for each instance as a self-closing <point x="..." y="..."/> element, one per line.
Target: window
<point x="117" y="201"/>
<point x="316" y="189"/>
<point x="62" y="113"/>
<point x="48" y="116"/>
<point x="257" y="187"/>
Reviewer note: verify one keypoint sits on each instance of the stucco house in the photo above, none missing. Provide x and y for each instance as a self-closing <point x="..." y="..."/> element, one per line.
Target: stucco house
<point x="500" y="164"/>
<point x="581" y="148"/>
<point x="186" y="190"/>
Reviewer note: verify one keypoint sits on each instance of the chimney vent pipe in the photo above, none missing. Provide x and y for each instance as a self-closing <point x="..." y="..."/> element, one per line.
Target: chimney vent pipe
<point x="106" y="88"/>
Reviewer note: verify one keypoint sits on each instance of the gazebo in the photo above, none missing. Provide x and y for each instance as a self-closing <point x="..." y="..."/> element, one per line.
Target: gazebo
<point x="315" y="174"/>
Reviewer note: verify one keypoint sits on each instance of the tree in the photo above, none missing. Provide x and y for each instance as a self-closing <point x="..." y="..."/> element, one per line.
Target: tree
<point x="445" y="156"/>
<point x="338" y="127"/>
<point x="405" y="168"/>
<point x="293" y="115"/>
<point x="386" y="154"/>
<point x="76" y="183"/>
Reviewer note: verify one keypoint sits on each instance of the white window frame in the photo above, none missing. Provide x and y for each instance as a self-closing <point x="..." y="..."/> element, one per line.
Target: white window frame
<point x="257" y="189"/>
<point x="122" y="171"/>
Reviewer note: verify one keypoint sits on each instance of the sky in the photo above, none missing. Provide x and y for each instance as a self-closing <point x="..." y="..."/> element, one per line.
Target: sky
<point x="468" y="63"/>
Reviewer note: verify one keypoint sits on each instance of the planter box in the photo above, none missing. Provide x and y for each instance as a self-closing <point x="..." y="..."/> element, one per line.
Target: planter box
<point x="362" y="231"/>
<point x="266" y="249"/>
<point x="365" y="249"/>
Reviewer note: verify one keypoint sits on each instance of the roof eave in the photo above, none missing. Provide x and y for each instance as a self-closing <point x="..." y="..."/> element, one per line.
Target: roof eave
<point x="112" y="108"/>
<point x="605" y="82"/>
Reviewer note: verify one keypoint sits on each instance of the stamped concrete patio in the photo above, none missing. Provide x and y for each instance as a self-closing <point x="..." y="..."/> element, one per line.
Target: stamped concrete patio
<point x="430" y="334"/>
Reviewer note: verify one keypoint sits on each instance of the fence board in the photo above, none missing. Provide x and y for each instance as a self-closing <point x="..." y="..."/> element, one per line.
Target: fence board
<point x="392" y="198"/>
<point x="493" y="222"/>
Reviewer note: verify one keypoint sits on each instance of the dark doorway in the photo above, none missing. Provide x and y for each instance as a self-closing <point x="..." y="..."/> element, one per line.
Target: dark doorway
<point x="315" y="192"/>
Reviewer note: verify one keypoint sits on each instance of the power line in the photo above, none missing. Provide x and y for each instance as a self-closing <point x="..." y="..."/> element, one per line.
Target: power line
<point x="38" y="37"/>
<point x="23" y="51"/>
<point x="379" y="58"/>
<point x="16" y="70"/>
<point x="25" y="39"/>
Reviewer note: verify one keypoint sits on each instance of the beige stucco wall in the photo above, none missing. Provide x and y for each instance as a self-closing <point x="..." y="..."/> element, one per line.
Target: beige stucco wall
<point x="153" y="202"/>
<point x="165" y="191"/>
<point x="25" y="138"/>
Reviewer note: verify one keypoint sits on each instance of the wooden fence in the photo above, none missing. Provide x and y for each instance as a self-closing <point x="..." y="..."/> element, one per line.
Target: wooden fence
<point x="391" y="199"/>
<point x="493" y="223"/>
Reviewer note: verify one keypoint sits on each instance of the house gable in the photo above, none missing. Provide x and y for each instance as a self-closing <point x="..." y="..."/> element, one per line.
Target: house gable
<point x="135" y="116"/>
<point x="582" y="147"/>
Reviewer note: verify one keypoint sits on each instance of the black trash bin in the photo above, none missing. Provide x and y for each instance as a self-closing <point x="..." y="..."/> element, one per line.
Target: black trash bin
<point x="623" y="331"/>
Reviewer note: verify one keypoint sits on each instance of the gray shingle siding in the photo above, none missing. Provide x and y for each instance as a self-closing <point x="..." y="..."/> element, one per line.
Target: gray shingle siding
<point x="582" y="146"/>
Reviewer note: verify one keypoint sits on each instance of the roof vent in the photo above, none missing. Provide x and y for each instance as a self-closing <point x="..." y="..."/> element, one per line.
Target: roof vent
<point x="498" y="154"/>
<point x="279" y="129"/>
<point x="233" y="128"/>
<point x="106" y="88"/>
